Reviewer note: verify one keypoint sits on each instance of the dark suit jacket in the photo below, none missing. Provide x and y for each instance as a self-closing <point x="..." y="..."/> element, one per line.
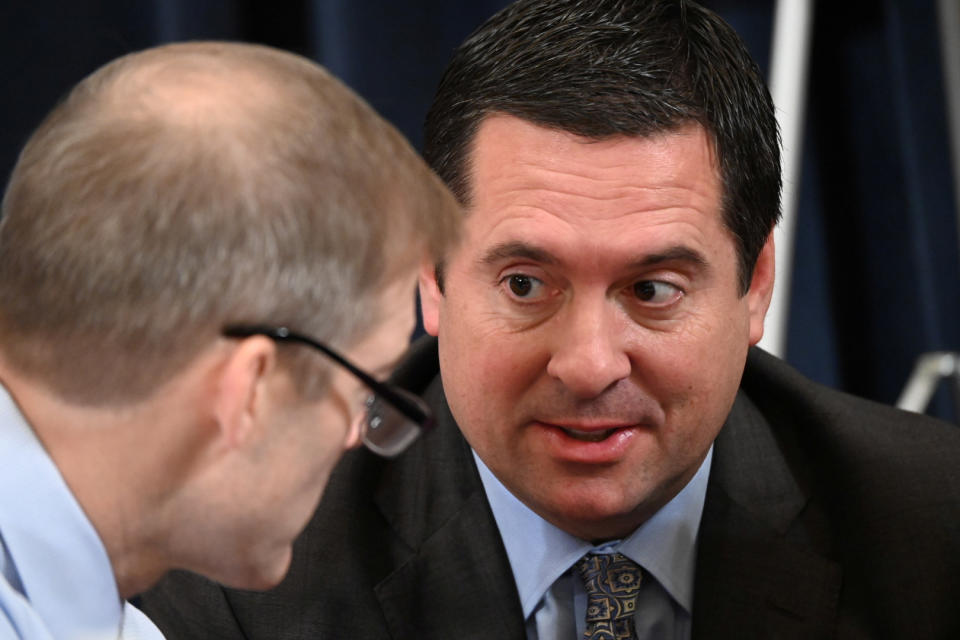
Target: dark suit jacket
<point x="826" y="517"/>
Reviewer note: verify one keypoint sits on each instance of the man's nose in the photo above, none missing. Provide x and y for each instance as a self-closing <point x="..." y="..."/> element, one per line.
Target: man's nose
<point x="589" y="354"/>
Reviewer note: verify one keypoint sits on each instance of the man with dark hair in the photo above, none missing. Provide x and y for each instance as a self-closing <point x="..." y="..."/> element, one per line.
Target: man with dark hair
<point x="613" y="459"/>
<point x="180" y="237"/>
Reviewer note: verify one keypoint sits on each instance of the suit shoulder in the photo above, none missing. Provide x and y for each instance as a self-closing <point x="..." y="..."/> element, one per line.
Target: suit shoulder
<point x="781" y="392"/>
<point x="874" y="458"/>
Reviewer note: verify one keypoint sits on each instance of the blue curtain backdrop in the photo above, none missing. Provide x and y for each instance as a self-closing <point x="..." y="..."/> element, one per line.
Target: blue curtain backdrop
<point x="877" y="275"/>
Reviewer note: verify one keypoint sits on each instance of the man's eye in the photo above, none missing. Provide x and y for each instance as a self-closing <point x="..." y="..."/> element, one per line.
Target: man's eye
<point x="523" y="286"/>
<point x="656" y="292"/>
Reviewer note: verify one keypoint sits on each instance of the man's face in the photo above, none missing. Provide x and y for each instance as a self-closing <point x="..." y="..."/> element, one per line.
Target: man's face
<point x="592" y="334"/>
<point x="303" y="441"/>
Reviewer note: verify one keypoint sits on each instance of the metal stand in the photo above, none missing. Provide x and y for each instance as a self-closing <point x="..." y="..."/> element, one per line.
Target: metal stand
<point x="930" y="369"/>
<point x="792" y="35"/>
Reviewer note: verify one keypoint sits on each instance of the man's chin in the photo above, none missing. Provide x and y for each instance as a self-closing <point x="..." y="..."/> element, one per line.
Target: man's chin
<point x="599" y="529"/>
<point x="595" y="510"/>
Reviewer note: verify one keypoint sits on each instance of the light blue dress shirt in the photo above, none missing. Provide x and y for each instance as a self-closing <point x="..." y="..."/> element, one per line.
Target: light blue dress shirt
<point x="551" y="594"/>
<point x="56" y="581"/>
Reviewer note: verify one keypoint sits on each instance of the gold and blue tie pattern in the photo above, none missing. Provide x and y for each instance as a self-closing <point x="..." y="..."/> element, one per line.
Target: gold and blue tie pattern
<point x="612" y="582"/>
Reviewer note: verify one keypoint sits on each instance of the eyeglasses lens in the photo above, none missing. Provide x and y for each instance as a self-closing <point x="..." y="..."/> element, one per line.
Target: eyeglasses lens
<point x="388" y="431"/>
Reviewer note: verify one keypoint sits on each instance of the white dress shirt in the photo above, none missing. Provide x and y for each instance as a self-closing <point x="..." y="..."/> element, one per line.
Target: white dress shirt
<point x="56" y="581"/>
<point x="552" y="596"/>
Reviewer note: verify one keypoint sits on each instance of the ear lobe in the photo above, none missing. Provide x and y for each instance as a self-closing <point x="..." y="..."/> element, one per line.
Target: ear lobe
<point x="761" y="289"/>
<point x="241" y="390"/>
<point x="430" y="297"/>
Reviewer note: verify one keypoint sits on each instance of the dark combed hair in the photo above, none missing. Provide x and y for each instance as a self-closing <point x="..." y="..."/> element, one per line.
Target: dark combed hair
<point x="605" y="68"/>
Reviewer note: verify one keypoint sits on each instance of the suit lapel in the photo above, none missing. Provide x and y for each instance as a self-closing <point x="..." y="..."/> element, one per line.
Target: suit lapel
<point x="457" y="582"/>
<point x="758" y="573"/>
<point x="457" y="586"/>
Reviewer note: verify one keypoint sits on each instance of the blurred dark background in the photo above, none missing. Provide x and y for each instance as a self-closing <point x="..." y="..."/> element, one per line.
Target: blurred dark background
<point x="876" y="272"/>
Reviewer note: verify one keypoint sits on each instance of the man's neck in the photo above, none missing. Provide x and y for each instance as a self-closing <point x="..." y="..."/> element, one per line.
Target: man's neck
<point x="119" y="466"/>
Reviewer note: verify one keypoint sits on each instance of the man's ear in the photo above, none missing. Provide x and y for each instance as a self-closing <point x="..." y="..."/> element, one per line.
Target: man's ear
<point x="761" y="289"/>
<point x="242" y="387"/>
<point x="430" y="296"/>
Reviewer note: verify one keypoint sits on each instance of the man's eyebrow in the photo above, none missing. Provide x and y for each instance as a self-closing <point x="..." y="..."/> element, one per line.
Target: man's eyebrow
<point x="672" y="254"/>
<point x="516" y="249"/>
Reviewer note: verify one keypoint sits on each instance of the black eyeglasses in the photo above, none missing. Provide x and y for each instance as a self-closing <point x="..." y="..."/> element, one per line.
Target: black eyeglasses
<point x="394" y="416"/>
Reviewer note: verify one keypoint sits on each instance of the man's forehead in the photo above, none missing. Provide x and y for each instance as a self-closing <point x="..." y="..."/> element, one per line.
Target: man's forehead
<point x="524" y="175"/>
<point x="509" y="155"/>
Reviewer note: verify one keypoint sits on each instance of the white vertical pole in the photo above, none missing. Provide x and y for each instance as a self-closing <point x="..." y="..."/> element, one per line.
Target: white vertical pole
<point x="948" y="16"/>
<point x="792" y="26"/>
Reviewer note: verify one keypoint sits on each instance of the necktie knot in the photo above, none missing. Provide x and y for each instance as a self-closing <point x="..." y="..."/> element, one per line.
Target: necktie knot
<point x="612" y="582"/>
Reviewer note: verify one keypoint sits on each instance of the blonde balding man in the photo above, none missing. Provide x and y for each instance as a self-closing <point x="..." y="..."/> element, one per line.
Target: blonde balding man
<point x="207" y="263"/>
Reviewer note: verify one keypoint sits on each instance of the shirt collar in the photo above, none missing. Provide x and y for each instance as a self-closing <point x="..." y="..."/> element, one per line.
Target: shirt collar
<point x="539" y="552"/>
<point x="60" y="561"/>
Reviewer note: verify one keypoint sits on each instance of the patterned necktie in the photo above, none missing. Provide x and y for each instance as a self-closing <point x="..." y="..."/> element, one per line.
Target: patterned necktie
<point x="612" y="582"/>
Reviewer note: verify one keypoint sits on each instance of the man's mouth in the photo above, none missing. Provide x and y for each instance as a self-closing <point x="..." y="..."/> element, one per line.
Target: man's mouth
<point x="588" y="436"/>
<point x="589" y="441"/>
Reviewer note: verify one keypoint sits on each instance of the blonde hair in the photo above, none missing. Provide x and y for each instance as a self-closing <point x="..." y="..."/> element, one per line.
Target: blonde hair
<point x="193" y="185"/>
